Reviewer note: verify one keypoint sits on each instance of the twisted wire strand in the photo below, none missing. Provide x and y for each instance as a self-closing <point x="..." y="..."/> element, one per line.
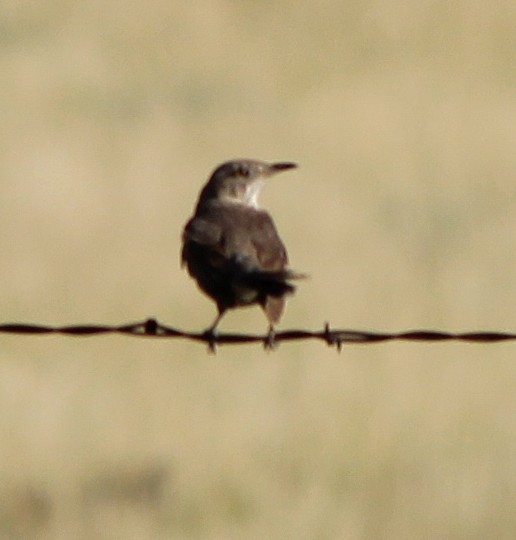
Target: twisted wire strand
<point x="151" y="328"/>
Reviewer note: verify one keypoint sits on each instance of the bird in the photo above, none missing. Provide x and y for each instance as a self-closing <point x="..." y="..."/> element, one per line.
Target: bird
<point x="231" y="247"/>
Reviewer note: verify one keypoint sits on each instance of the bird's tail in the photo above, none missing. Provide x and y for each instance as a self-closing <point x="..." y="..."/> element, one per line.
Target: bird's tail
<point x="273" y="282"/>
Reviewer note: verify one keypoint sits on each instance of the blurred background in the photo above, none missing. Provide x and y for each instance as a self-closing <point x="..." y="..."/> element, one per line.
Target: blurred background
<point x="402" y="116"/>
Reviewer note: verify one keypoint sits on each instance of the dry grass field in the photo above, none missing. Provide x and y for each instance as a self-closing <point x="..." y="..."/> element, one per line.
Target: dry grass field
<point x="402" y="116"/>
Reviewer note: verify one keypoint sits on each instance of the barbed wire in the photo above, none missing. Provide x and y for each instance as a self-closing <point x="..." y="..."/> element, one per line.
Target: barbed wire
<point x="332" y="337"/>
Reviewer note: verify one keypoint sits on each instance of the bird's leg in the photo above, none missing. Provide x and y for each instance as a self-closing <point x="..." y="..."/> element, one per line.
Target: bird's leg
<point x="270" y="343"/>
<point x="220" y="314"/>
<point x="210" y="333"/>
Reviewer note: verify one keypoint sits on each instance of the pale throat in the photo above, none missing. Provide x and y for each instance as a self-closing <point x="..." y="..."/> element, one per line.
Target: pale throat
<point x="252" y="192"/>
<point x="247" y="196"/>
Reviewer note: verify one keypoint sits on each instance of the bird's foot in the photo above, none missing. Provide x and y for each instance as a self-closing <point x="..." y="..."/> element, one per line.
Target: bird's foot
<point x="210" y="336"/>
<point x="269" y="342"/>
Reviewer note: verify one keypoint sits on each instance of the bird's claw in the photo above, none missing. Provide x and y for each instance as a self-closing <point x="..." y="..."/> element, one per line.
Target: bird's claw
<point x="269" y="342"/>
<point x="210" y="336"/>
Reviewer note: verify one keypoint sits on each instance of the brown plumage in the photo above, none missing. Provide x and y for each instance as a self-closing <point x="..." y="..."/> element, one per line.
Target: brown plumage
<point x="231" y="246"/>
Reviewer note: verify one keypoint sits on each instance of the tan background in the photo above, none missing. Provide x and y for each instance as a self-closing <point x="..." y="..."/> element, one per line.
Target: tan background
<point x="402" y="116"/>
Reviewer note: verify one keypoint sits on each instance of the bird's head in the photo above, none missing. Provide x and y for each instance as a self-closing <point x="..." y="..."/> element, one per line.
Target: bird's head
<point x="240" y="181"/>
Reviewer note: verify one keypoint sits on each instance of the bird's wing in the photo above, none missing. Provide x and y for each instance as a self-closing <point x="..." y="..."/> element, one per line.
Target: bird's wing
<point x="270" y="251"/>
<point x="201" y="232"/>
<point x="237" y="242"/>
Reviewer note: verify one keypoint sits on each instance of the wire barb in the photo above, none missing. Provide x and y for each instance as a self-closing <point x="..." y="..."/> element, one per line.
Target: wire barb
<point x="151" y="328"/>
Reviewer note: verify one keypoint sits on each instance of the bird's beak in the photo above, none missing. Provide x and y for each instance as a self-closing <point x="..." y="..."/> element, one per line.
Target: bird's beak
<point x="285" y="166"/>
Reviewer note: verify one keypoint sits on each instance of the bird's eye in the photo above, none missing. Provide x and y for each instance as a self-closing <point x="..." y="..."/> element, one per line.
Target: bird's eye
<point x="244" y="171"/>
